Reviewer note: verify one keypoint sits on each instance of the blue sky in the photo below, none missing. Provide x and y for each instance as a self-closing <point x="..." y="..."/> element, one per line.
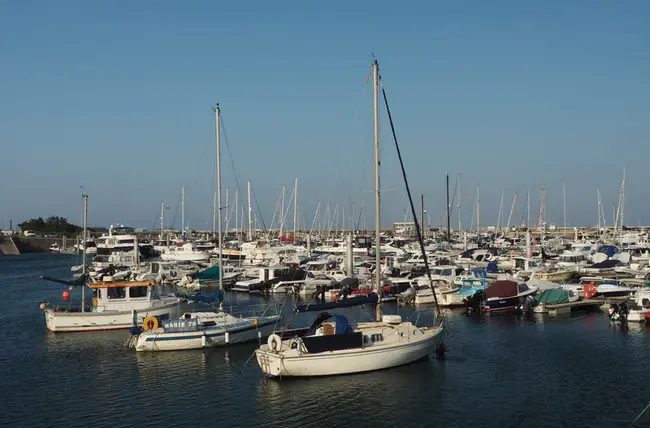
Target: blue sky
<point x="116" y="97"/>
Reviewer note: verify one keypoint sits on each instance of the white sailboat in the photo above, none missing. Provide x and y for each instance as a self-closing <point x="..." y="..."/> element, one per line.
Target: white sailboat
<point x="196" y="330"/>
<point x="333" y="346"/>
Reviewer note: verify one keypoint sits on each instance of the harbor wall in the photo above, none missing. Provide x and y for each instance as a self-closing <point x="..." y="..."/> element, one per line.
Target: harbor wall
<point x="8" y="247"/>
<point x="21" y="245"/>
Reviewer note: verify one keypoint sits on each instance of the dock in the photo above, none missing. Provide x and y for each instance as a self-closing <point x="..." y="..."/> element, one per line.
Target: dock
<point x="596" y="302"/>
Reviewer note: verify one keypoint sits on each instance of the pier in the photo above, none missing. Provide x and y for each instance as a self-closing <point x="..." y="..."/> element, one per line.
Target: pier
<point x="596" y="302"/>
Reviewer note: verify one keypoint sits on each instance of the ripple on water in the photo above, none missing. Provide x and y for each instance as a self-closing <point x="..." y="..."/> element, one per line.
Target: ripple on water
<point x="500" y="371"/>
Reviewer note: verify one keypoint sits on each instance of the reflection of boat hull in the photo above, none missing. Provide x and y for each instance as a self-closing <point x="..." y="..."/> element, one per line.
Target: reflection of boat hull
<point x="294" y="362"/>
<point x="213" y="336"/>
<point x="63" y="322"/>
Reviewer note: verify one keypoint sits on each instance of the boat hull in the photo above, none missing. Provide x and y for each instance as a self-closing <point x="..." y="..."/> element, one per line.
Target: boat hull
<point x="69" y="322"/>
<point x="207" y="338"/>
<point x="356" y="360"/>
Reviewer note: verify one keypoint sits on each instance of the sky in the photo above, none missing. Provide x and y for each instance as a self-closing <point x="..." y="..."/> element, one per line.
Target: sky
<point x="116" y="97"/>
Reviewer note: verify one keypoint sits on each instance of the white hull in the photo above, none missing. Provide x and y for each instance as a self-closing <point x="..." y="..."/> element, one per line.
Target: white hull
<point x="57" y="321"/>
<point x="191" y="257"/>
<point x="204" y="339"/>
<point x="292" y="362"/>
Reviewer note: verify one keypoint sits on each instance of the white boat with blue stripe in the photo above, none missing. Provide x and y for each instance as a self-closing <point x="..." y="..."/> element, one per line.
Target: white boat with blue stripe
<point x="197" y="330"/>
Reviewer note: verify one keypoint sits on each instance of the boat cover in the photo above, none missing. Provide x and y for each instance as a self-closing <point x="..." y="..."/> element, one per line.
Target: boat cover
<point x="209" y="273"/>
<point x="553" y="296"/>
<point x="201" y="297"/>
<point x="491" y="267"/>
<point x="502" y="289"/>
<point x="343" y="303"/>
<point x="606" y="264"/>
<point x="608" y="250"/>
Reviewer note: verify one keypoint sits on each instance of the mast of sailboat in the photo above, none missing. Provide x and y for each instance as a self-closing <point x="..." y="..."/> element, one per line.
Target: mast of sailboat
<point x="295" y="208"/>
<point x="183" y="211"/>
<point x="85" y="241"/>
<point x="237" y="214"/>
<point x="217" y="113"/>
<point x="375" y="105"/>
<point x="250" y="213"/>
<point x="448" y="213"/>
<point x="460" y="225"/>
<point x="564" y="200"/>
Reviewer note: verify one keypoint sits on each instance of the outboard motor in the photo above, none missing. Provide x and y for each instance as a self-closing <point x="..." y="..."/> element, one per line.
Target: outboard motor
<point x="527" y="304"/>
<point x="474" y="303"/>
<point x="408" y="294"/>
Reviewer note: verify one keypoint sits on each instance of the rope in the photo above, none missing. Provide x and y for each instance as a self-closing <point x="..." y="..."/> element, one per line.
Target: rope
<point x="640" y="414"/>
<point x="408" y="192"/>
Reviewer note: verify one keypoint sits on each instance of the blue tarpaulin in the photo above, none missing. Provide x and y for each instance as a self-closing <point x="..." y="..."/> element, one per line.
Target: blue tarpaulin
<point x="608" y="250"/>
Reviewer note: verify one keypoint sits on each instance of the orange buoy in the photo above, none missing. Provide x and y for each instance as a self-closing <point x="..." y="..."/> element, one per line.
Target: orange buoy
<point x="150" y="323"/>
<point x="590" y="290"/>
<point x="65" y="295"/>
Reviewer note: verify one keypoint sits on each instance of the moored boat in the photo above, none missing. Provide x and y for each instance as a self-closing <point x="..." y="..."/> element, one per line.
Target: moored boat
<point x="196" y="330"/>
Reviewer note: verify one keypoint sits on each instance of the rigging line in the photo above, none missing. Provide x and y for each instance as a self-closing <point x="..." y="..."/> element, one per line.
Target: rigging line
<point x="235" y="170"/>
<point x="408" y="192"/>
<point x="257" y="205"/>
<point x="640" y="414"/>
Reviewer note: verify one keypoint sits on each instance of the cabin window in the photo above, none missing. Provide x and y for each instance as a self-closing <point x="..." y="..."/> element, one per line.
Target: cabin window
<point x="135" y="292"/>
<point x="116" y="292"/>
<point x="377" y="337"/>
<point x="155" y="268"/>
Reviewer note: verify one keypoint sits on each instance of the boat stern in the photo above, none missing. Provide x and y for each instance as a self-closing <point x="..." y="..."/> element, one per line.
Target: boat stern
<point x="269" y="362"/>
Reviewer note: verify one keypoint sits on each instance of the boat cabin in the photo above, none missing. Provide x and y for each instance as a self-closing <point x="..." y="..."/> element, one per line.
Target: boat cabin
<point x="121" y="296"/>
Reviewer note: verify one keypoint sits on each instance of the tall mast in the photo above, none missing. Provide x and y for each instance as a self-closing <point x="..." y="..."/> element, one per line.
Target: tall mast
<point x="214" y="214"/>
<point x="598" y="207"/>
<point x="500" y="211"/>
<point x="448" y="213"/>
<point x="478" y="210"/>
<point x="162" y="219"/>
<point x="237" y="214"/>
<point x="85" y="243"/>
<point x="217" y="114"/>
<point x="528" y="210"/>
<point x="182" y="211"/>
<point x="282" y="211"/>
<point x="250" y="214"/>
<point x="564" y="199"/>
<point x="460" y="225"/>
<point x="295" y="208"/>
<point x="375" y="105"/>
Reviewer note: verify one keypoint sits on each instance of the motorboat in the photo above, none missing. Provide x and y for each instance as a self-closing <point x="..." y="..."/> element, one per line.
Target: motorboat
<point x="468" y="288"/>
<point x="54" y="248"/>
<point x="111" y="307"/>
<point x="502" y="296"/>
<point x="185" y="252"/>
<point x="197" y="330"/>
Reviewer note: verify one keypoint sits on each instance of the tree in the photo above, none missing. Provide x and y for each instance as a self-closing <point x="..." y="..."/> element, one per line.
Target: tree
<point x="53" y="224"/>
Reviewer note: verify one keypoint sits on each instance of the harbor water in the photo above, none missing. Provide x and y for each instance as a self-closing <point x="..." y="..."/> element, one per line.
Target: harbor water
<point x="575" y="370"/>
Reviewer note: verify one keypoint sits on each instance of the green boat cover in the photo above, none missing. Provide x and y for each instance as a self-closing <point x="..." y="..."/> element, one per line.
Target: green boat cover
<point x="209" y="273"/>
<point x="553" y="296"/>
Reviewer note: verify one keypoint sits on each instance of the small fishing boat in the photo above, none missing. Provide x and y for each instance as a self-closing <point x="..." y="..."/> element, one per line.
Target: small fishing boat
<point x="111" y="308"/>
<point x="197" y="330"/>
<point x="54" y="248"/>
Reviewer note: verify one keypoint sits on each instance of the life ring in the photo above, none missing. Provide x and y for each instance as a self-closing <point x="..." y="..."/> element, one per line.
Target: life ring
<point x="274" y="342"/>
<point x="328" y="329"/>
<point x="150" y="323"/>
<point x="590" y="290"/>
